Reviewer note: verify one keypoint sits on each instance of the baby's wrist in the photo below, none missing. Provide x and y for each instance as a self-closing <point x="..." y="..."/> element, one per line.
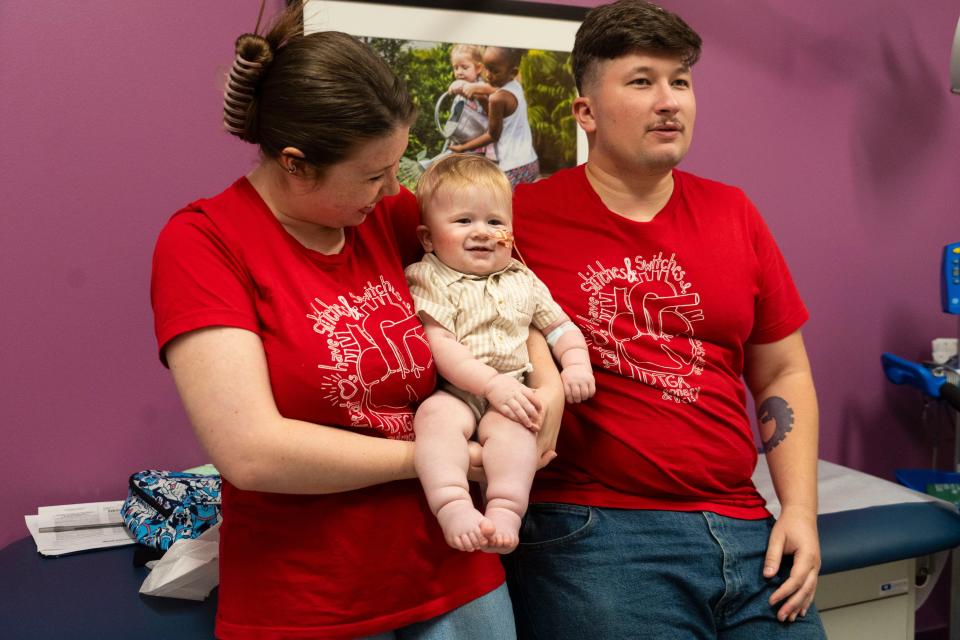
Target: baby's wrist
<point x="487" y="389"/>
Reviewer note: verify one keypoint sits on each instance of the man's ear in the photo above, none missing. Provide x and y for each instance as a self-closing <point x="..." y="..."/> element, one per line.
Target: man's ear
<point x="583" y="112"/>
<point x="423" y="234"/>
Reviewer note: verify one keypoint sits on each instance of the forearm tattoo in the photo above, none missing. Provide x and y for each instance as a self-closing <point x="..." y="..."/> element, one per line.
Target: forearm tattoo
<point x="775" y="408"/>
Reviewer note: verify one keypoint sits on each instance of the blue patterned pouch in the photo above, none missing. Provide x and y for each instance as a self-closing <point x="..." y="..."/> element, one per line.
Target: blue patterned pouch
<point x="164" y="506"/>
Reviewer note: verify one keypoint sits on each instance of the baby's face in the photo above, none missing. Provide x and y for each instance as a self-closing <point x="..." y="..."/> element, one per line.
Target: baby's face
<point x="470" y="229"/>
<point x="464" y="67"/>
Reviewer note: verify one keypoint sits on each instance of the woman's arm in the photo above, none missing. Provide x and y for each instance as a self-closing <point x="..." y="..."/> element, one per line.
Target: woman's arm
<point x="221" y="375"/>
<point x="545" y="379"/>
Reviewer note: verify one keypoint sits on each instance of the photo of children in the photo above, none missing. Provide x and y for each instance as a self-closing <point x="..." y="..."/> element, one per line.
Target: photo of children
<point x="508" y="129"/>
<point x="511" y="105"/>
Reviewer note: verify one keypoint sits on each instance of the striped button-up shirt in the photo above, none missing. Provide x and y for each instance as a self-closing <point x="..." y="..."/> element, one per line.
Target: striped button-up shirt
<point x="490" y="314"/>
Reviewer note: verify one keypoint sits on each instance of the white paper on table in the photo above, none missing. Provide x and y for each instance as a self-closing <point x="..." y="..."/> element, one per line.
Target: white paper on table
<point x="189" y="569"/>
<point x="112" y="534"/>
<point x="844" y="489"/>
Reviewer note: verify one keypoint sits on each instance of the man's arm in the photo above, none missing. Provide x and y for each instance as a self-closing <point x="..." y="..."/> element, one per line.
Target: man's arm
<point x="781" y="381"/>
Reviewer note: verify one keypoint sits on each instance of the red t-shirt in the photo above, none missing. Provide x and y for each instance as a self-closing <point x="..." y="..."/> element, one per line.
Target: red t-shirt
<point x="344" y="348"/>
<point x="666" y="307"/>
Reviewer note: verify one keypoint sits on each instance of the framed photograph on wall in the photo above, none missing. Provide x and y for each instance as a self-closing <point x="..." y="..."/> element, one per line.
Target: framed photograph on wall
<point x="422" y="39"/>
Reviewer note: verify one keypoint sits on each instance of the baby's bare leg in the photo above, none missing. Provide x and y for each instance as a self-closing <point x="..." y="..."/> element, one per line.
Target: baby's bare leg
<point x="443" y="424"/>
<point x="509" y="460"/>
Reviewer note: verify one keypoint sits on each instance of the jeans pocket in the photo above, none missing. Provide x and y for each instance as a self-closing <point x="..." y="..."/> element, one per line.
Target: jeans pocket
<point x="549" y="524"/>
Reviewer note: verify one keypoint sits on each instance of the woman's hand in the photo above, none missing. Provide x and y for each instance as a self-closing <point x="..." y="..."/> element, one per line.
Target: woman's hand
<point x="545" y="381"/>
<point x="475" y="472"/>
<point x="551" y="399"/>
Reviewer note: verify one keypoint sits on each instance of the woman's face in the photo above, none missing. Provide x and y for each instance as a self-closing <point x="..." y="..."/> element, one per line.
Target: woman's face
<point x="347" y="191"/>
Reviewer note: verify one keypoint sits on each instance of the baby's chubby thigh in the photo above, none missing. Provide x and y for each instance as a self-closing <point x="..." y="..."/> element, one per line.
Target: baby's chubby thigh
<point x="445" y="413"/>
<point x="510" y="456"/>
<point x="510" y="459"/>
<point x="443" y="424"/>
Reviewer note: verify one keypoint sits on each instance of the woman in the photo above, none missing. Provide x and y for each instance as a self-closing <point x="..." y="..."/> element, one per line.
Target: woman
<point x="283" y="314"/>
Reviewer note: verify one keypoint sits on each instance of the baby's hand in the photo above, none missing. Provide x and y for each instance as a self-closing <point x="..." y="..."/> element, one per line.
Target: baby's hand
<point x="514" y="399"/>
<point x="578" y="382"/>
<point x="456" y="87"/>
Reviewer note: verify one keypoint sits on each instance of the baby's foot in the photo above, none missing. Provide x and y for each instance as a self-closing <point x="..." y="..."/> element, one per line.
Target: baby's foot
<point x="507" y="535"/>
<point x="464" y="528"/>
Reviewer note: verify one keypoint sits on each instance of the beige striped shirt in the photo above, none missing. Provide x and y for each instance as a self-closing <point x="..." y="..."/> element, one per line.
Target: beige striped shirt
<point x="489" y="314"/>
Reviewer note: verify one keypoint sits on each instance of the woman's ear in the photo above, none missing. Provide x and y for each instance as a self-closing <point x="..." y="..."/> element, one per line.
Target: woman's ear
<point x="423" y="234"/>
<point x="289" y="157"/>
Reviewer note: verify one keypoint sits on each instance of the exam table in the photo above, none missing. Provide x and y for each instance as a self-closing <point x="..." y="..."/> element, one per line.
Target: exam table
<point x="875" y="536"/>
<point x="882" y="548"/>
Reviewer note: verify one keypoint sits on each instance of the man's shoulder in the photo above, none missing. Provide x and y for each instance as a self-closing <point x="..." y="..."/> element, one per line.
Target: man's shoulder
<point x="698" y="185"/>
<point x="551" y="187"/>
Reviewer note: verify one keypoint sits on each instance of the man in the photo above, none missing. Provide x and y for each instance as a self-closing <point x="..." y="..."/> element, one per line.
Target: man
<point x="647" y="525"/>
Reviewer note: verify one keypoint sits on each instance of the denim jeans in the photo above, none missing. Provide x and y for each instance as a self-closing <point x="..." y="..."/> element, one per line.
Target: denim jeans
<point x="586" y="572"/>
<point x="489" y="617"/>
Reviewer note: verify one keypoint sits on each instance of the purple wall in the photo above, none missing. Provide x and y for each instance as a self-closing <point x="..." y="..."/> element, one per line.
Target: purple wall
<point x="834" y="116"/>
<point x="110" y="114"/>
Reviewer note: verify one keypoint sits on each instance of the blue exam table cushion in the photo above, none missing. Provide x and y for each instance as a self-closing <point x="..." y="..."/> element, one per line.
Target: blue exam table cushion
<point x="875" y="535"/>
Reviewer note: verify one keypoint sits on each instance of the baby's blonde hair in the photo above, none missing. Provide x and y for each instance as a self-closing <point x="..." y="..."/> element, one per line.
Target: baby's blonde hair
<point x="475" y="51"/>
<point x="459" y="170"/>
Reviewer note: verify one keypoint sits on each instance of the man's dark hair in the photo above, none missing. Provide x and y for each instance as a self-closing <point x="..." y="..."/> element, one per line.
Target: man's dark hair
<point x="627" y="26"/>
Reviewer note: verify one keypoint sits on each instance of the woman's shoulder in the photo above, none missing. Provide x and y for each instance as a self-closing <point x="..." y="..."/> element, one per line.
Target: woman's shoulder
<point x="401" y="205"/>
<point x="398" y="217"/>
<point x="215" y="223"/>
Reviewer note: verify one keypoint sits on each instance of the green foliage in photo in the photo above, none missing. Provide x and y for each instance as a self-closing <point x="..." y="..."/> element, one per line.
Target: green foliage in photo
<point x="547" y="78"/>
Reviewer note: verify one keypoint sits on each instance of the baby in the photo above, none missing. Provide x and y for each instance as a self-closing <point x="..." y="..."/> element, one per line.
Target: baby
<point x="476" y="304"/>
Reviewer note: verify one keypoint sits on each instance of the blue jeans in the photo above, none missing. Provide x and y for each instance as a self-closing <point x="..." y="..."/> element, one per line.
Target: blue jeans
<point x="488" y="617"/>
<point x="587" y="572"/>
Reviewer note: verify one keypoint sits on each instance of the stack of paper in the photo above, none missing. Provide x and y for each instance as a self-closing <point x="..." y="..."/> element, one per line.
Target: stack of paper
<point x="69" y="528"/>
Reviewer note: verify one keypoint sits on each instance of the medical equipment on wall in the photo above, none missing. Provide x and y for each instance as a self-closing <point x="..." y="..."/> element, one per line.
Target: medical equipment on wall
<point x="938" y="379"/>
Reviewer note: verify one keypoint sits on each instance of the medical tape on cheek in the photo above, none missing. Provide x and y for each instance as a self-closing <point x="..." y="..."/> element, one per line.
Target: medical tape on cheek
<point x="504" y="238"/>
